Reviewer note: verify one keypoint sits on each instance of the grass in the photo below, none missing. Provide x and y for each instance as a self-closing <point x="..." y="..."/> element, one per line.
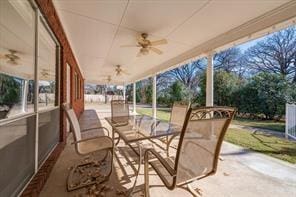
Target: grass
<point x="273" y="146"/>
<point x="161" y="114"/>
<point x="264" y="124"/>
<point x="270" y="145"/>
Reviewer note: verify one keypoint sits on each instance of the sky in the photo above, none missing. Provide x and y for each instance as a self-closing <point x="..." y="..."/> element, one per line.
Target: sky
<point x="249" y="44"/>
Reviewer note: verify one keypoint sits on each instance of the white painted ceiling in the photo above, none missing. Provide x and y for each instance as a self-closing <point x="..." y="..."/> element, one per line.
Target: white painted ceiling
<point x="97" y="28"/>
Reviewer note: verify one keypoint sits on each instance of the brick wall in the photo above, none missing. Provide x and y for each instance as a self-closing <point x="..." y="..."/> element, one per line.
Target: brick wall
<point x="67" y="57"/>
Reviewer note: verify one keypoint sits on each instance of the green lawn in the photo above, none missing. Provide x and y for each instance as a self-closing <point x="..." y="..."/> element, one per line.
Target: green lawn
<point x="270" y="145"/>
<point x="276" y="147"/>
<point x="161" y="114"/>
<point x="264" y="124"/>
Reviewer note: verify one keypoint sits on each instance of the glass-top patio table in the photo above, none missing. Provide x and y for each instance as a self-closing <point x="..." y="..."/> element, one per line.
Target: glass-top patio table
<point x="134" y="129"/>
<point x="137" y="128"/>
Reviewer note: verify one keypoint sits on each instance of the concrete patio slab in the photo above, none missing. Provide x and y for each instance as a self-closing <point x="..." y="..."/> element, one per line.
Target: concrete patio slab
<point x="241" y="173"/>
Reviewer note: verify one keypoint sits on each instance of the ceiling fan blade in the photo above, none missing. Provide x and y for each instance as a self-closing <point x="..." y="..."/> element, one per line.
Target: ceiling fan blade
<point x="159" y="42"/>
<point x="155" y="50"/>
<point x="12" y="62"/>
<point x="130" y="45"/>
<point x="124" y="72"/>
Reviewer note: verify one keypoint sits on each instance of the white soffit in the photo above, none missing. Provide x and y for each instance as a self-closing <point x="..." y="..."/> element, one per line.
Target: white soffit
<point x="97" y="28"/>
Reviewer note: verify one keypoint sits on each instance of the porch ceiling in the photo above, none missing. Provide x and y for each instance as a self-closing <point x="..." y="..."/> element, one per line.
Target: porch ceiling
<point x="96" y="29"/>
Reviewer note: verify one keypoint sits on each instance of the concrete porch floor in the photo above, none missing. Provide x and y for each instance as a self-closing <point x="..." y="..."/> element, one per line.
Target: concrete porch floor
<point x="241" y="173"/>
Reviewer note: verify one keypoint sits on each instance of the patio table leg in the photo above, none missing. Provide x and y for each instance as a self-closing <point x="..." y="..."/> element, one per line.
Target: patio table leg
<point x="141" y="148"/>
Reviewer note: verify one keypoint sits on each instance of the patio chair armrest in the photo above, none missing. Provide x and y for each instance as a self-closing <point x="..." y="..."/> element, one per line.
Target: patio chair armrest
<point x="163" y="162"/>
<point x="95" y="138"/>
<point x="93" y="128"/>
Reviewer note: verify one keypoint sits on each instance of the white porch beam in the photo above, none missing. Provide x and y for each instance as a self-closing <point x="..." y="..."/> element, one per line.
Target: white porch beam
<point x="154" y="108"/>
<point x="252" y="28"/>
<point x="134" y="98"/>
<point x="210" y="81"/>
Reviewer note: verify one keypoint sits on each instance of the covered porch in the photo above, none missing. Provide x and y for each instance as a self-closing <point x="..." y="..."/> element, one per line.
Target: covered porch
<point x="50" y="49"/>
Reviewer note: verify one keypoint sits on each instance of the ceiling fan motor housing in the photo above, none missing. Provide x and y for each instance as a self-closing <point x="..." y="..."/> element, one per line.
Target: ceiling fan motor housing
<point x="144" y="51"/>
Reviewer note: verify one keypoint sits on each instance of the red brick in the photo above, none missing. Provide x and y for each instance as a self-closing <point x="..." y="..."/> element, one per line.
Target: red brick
<point x="38" y="181"/>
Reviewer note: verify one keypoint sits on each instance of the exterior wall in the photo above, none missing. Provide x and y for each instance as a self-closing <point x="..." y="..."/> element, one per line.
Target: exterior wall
<point x="47" y="9"/>
<point x="67" y="56"/>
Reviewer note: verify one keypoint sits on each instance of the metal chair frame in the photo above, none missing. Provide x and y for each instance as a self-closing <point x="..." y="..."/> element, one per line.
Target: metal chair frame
<point x="109" y="149"/>
<point x="170" y="139"/>
<point x="124" y="123"/>
<point x="192" y="115"/>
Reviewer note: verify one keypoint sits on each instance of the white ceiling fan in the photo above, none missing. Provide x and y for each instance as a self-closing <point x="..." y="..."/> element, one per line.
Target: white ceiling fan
<point x="119" y="71"/>
<point x="147" y="45"/>
<point x="107" y="78"/>
<point x="11" y="57"/>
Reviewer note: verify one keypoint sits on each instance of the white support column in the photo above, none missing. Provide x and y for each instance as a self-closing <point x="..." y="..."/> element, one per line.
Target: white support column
<point x="154" y="108"/>
<point x="287" y="121"/>
<point x="123" y="91"/>
<point x="106" y="96"/>
<point x="134" y="98"/>
<point x="210" y="81"/>
<point x="24" y="95"/>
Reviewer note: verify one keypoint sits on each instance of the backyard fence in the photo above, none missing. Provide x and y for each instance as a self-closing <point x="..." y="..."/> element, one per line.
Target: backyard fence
<point x="291" y="121"/>
<point x="99" y="98"/>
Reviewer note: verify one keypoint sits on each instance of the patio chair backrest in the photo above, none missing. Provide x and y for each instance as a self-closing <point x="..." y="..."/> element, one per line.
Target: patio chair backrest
<point x="178" y="113"/>
<point x="200" y="142"/>
<point x="119" y="111"/>
<point x="73" y="121"/>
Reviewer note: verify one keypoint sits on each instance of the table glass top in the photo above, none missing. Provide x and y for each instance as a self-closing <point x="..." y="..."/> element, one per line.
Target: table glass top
<point x="141" y="127"/>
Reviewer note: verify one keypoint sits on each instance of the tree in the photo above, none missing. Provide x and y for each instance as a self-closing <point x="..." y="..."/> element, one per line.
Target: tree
<point x="275" y="54"/>
<point x="129" y="92"/>
<point x="201" y="98"/>
<point x="148" y="93"/>
<point x="188" y="75"/>
<point x="266" y="93"/>
<point x="177" y="92"/>
<point x="225" y="86"/>
<point x="227" y="60"/>
<point x="9" y="90"/>
<point x="144" y="91"/>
